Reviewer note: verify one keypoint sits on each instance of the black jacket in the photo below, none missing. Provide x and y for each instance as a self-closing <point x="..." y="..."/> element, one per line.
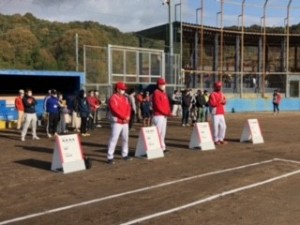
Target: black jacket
<point x="29" y="104"/>
<point x="200" y="101"/>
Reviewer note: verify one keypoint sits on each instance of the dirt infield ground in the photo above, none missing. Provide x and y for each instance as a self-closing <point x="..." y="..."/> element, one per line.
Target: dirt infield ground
<point x="257" y="189"/>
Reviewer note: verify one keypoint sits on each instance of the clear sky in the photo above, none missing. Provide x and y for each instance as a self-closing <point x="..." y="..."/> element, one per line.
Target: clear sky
<point x="133" y="15"/>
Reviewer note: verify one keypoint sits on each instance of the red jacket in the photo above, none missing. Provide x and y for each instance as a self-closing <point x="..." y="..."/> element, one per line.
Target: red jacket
<point x="161" y="104"/>
<point x="139" y="98"/>
<point x="277" y="98"/>
<point x="93" y="102"/>
<point x="217" y="101"/>
<point x="120" y="108"/>
<point x="19" y="103"/>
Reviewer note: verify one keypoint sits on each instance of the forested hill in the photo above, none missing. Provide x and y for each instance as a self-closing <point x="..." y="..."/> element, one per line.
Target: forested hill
<point x="27" y="42"/>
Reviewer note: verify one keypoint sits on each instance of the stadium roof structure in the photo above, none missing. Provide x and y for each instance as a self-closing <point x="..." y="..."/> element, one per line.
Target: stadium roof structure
<point x="204" y="47"/>
<point x="251" y="34"/>
<point x="40" y="81"/>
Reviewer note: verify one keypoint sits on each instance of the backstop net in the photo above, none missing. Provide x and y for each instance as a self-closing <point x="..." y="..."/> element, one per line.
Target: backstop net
<point x="137" y="67"/>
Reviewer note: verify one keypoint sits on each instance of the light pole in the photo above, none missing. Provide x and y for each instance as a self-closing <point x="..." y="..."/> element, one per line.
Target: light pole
<point x="242" y="48"/>
<point x="202" y="44"/>
<point x="178" y="72"/>
<point x="171" y="44"/>
<point x="177" y="5"/>
<point x="264" y="48"/>
<point x="287" y="48"/>
<point x="197" y="15"/>
<point x="196" y="49"/>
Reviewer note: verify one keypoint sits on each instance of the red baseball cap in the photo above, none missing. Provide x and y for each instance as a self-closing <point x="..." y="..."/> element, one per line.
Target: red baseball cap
<point x="218" y="84"/>
<point x="161" y="81"/>
<point x="120" y="85"/>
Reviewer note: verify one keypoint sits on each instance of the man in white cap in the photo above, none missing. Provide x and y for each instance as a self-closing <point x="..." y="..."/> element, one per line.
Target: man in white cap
<point x="20" y="108"/>
<point x="161" y="110"/>
<point x="120" y="111"/>
<point x="217" y="103"/>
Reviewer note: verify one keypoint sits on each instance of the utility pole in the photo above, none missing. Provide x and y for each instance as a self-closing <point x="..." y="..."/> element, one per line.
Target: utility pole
<point x="171" y="41"/>
<point x="76" y="51"/>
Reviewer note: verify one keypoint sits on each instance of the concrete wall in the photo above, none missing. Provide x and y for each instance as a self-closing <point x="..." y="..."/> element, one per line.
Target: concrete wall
<point x="261" y="105"/>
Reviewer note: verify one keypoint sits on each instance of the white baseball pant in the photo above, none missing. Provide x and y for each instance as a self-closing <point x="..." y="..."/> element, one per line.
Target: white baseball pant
<point x="116" y="129"/>
<point x="30" y="118"/>
<point x="219" y="127"/>
<point x="161" y="123"/>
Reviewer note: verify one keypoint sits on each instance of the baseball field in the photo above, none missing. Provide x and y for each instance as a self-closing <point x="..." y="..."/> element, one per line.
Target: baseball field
<point x="236" y="184"/>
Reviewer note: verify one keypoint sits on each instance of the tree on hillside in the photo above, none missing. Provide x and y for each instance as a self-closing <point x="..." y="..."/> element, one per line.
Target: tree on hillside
<point x="24" y="43"/>
<point x="8" y="54"/>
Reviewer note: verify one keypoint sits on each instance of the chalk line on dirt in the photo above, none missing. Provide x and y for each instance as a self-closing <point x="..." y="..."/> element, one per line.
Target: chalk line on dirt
<point x="59" y="209"/>
<point x="211" y="198"/>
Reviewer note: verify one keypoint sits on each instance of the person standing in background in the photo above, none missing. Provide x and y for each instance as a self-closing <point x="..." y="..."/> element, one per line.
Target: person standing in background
<point x="20" y="108"/>
<point x="146" y="109"/>
<point x="276" y="101"/>
<point x="76" y="120"/>
<point x="97" y="117"/>
<point x="94" y="105"/>
<point x="161" y="110"/>
<point x="52" y="108"/>
<point x="30" y="116"/>
<point x="200" y="103"/>
<point x="186" y="106"/>
<point x="83" y="109"/>
<point x="217" y="102"/>
<point x="64" y="117"/>
<point x="46" y="115"/>
<point x="131" y="98"/>
<point x="176" y="101"/>
<point x="139" y="101"/>
<point x="206" y="108"/>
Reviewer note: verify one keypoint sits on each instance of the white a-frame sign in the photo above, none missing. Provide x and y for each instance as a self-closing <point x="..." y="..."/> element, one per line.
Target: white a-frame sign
<point x="201" y="137"/>
<point x="252" y="132"/>
<point x="67" y="156"/>
<point x="149" y="144"/>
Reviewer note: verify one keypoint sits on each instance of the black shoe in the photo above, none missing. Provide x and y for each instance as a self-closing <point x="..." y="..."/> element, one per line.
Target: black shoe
<point x="110" y="161"/>
<point x="166" y="151"/>
<point x="127" y="158"/>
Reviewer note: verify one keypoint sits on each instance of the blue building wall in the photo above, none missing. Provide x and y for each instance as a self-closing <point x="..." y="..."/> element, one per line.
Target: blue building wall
<point x="261" y="105"/>
<point x="233" y="105"/>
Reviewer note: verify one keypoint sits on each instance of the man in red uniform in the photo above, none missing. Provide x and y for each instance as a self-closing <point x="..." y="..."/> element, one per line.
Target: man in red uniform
<point x="161" y="110"/>
<point x="20" y="108"/>
<point x="120" y="111"/>
<point x="217" y="103"/>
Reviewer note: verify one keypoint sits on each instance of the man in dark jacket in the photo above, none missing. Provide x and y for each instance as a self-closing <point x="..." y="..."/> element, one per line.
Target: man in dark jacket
<point x="186" y="106"/>
<point x="200" y="103"/>
<point x="83" y="108"/>
<point x="30" y="115"/>
<point x="52" y="108"/>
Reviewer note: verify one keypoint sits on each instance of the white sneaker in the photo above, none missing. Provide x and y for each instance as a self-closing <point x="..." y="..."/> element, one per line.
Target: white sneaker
<point x="22" y="139"/>
<point x="35" y="138"/>
<point x="49" y="135"/>
<point x="98" y="126"/>
<point x="183" y="125"/>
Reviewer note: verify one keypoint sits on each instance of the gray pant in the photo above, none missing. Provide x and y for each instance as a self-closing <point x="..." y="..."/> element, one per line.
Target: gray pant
<point x="30" y="119"/>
